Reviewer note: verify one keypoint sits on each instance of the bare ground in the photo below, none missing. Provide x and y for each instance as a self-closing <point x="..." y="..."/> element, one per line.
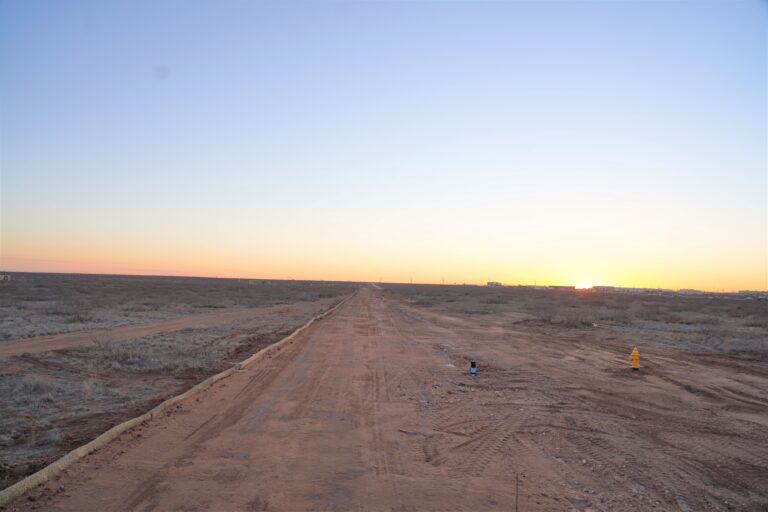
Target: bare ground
<point x="60" y="391"/>
<point x="373" y="409"/>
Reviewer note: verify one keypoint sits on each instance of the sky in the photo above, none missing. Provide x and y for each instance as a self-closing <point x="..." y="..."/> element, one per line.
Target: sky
<point x="557" y="142"/>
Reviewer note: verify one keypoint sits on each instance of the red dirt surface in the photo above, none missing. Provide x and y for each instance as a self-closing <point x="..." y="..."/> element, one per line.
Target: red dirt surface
<point x="373" y="409"/>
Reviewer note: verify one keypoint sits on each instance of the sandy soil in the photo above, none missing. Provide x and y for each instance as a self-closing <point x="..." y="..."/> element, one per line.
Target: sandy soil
<point x="373" y="409"/>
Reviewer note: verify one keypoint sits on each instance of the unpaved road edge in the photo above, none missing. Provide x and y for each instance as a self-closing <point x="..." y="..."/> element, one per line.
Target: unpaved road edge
<point x="47" y="473"/>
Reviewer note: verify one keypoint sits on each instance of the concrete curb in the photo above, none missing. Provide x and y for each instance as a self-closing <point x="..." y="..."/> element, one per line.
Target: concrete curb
<point x="21" y="487"/>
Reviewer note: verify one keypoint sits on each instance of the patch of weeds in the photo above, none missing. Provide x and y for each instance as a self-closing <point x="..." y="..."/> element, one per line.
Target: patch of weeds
<point x="48" y="437"/>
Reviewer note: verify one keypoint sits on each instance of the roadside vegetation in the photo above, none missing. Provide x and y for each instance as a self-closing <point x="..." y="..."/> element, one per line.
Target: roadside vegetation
<point x="38" y="304"/>
<point x="54" y="401"/>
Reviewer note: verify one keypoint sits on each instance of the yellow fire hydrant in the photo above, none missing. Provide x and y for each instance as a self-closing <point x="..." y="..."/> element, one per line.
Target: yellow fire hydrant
<point x="635" y="358"/>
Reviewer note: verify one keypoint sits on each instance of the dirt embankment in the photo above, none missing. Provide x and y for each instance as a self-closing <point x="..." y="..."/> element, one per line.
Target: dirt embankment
<point x="57" y="400"/>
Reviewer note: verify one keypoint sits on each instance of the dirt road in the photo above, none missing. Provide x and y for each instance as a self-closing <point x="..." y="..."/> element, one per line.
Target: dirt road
<point x="373" y="409"/>
<point x="126" y="332"/>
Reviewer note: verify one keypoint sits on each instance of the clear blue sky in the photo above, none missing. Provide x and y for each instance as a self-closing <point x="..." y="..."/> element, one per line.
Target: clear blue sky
<point x="583" y="142"/>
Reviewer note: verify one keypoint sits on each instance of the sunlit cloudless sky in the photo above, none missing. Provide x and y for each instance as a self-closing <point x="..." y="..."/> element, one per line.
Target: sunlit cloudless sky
<point x="619" y="143"/>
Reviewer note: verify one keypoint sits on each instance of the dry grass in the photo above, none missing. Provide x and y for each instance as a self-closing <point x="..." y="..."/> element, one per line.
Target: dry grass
<point x="33" y="410"/>
<point x="38" y="304"/>
<point x="32" y="391"/>
<point x="158" y="353"/>
<point x="53" y="401"/>
<point x="709" y="324"/>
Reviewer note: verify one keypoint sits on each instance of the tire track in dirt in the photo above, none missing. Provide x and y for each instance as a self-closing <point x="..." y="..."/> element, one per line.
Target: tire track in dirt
<point x="373" y="409"/>
<point x="259" y="379"/>
<point x="627" y="446"/>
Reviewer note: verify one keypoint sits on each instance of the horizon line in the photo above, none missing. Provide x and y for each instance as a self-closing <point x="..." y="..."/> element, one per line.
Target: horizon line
<point x="502" y="284"/>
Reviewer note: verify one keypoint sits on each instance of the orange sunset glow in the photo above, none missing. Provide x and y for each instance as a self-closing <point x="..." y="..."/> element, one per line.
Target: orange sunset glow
<point x="354" y="255"/>
<point x="398" y="176"/>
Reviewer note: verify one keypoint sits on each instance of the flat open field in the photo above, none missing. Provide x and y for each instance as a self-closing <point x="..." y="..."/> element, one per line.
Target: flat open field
<point x="124" y="344"/>
<point x="40" y="304"/>
<point x="372" y="408"/>
<point x="711" y="324"/>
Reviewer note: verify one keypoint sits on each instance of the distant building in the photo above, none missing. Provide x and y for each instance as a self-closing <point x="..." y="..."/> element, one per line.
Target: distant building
<point x="753" y="294"/>
<point x="494" y="284"/>
<point x="4" y="278"/>
<point x="554" y="287"/>
<point x="633" y="291"/>
<point x="690" y="292"/>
